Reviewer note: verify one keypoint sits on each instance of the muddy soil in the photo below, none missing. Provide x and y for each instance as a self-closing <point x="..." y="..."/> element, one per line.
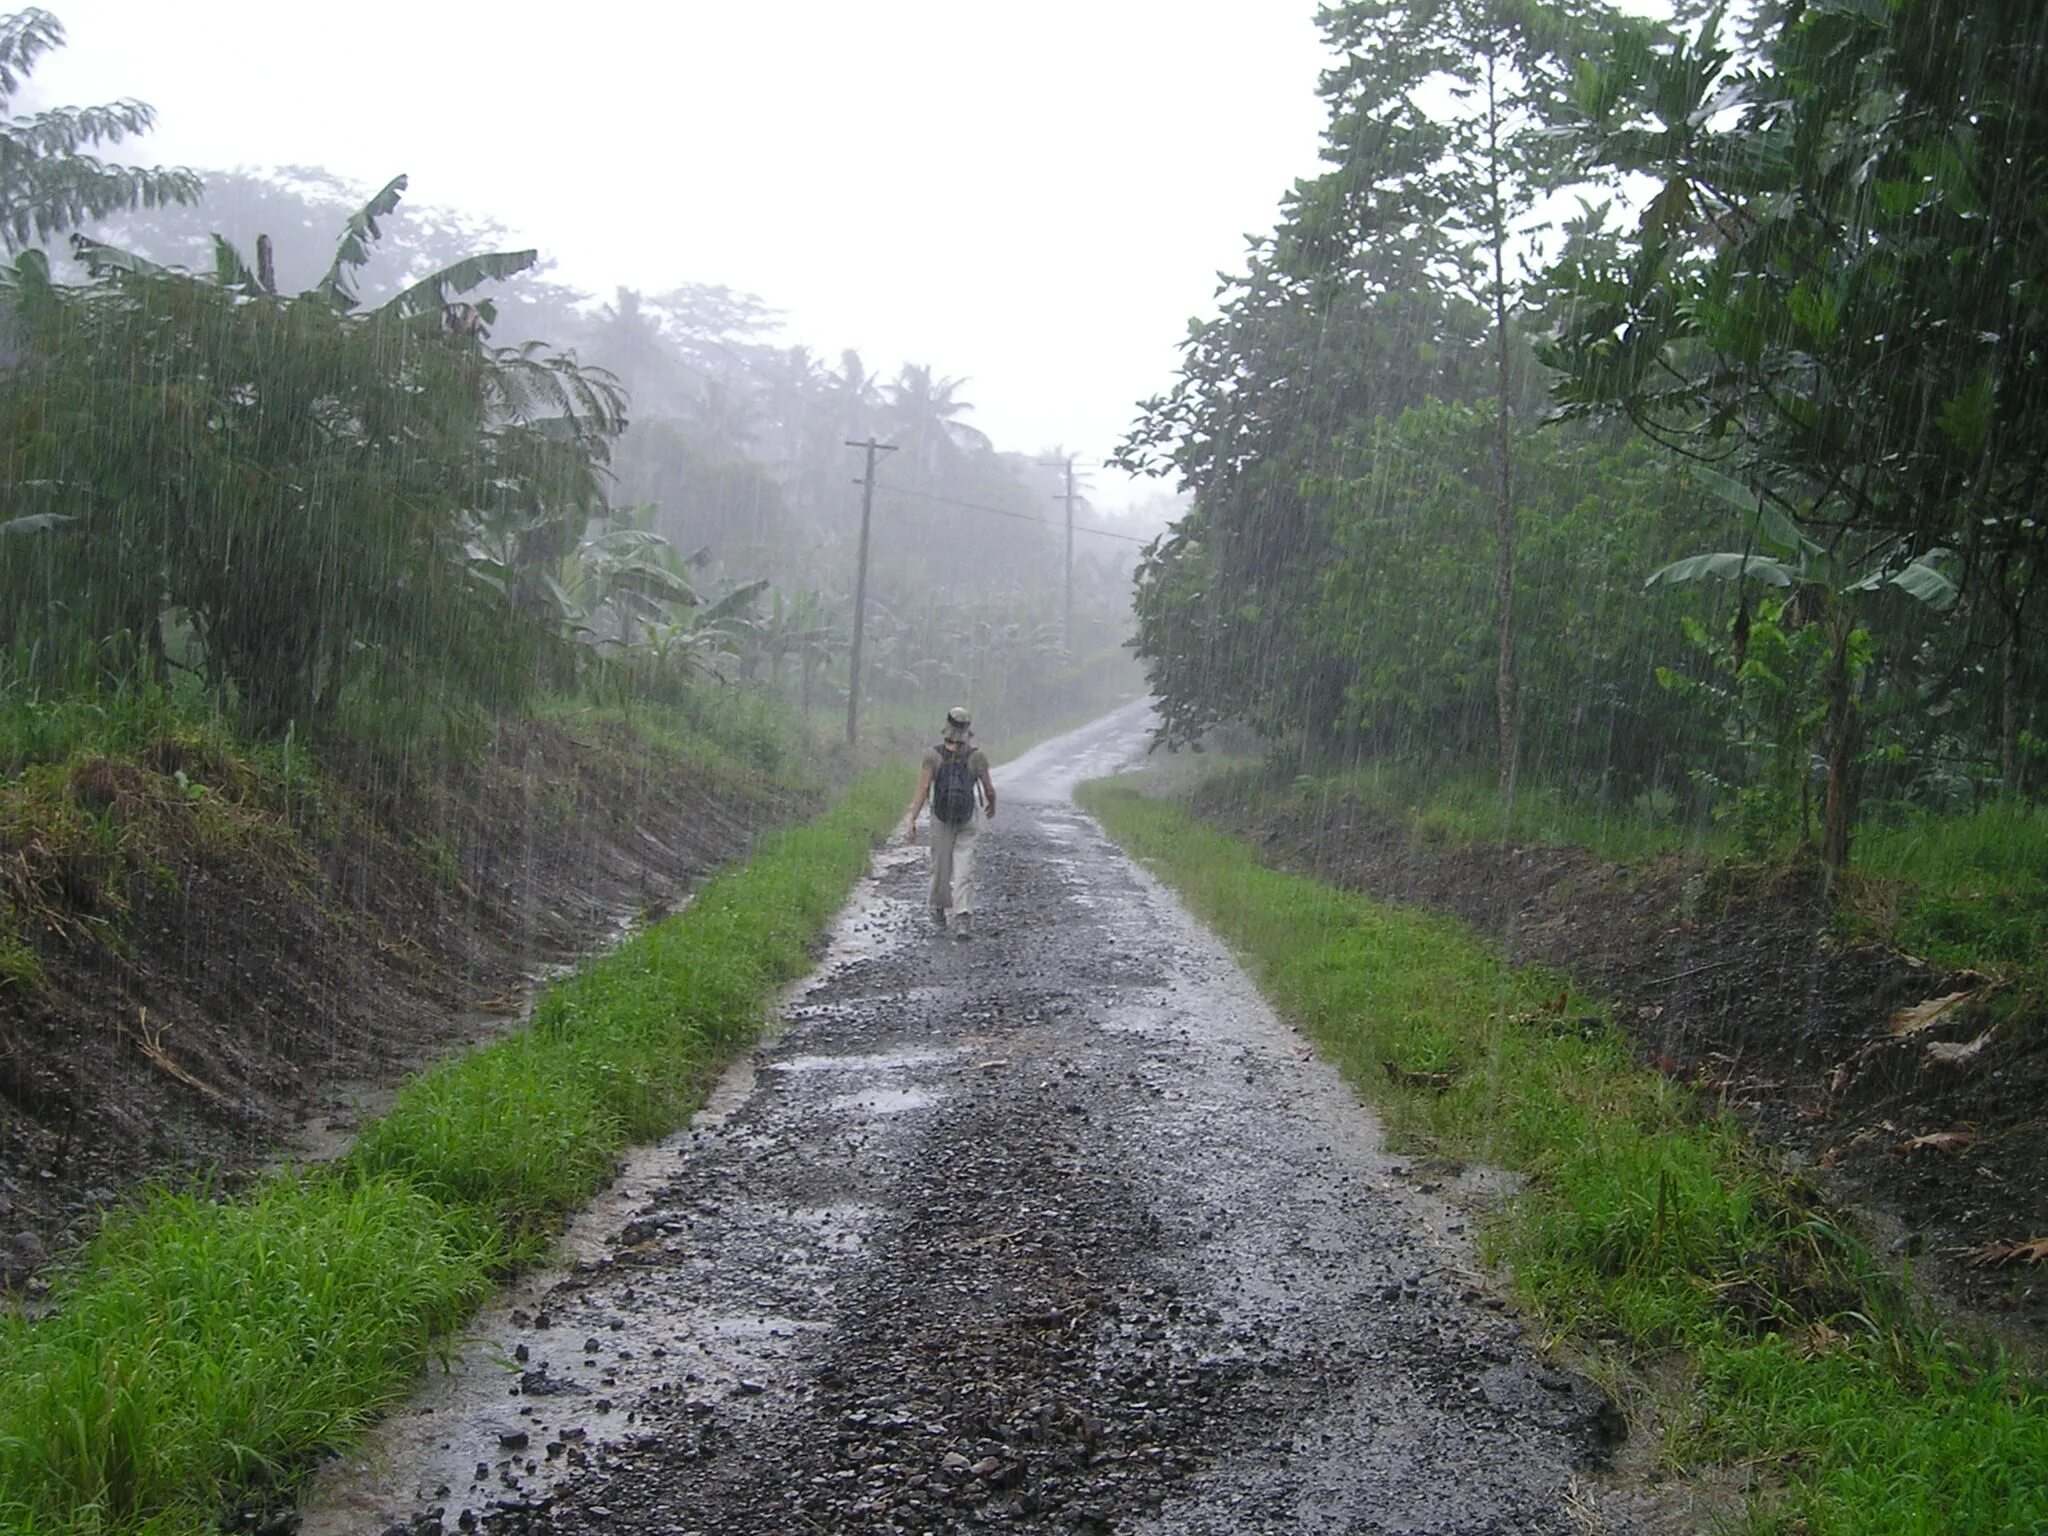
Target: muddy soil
<point x="262" y="988"/>
<point x="1740" y="987"/>
<point x="1053" y="1229"/>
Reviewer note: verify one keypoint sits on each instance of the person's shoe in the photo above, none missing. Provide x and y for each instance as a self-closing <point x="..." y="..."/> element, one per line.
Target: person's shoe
<point x="939" y="918"/>
<point x="963" y="925"/>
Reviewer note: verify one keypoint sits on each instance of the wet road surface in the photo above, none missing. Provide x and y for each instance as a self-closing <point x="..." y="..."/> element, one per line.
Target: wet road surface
<point x="1057" y="1229"/>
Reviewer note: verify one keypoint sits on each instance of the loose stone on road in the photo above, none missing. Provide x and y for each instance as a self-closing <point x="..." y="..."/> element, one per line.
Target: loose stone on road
<point x="1053" y="1230"/>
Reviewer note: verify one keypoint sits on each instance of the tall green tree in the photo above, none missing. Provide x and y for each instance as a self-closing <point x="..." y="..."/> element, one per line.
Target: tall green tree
<point x="50" y="179"/>
<point x="1390" y="281"/>
<point x="1838" y="297"/>
<point x="1505" y="66"/>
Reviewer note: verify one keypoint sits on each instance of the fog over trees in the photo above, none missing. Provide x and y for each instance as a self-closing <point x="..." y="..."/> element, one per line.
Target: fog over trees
<point x="430" y="469"/>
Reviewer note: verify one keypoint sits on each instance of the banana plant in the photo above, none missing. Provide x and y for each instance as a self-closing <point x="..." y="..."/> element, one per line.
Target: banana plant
<point x="635" y="576"/>
<point x="434" y="294"/>
<point x="1825" y="587"/>
<point x="713" y="635"/>
<point x="1794" y="560"/>
<point x="796" y="625"/>
<point x="354" y="488"/>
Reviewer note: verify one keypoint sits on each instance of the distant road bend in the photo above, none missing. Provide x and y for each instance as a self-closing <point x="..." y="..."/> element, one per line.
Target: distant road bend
<point x="1056" y="1230"/>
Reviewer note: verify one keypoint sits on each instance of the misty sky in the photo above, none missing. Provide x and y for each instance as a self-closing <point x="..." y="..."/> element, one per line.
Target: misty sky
<point x="1036" y="197"/>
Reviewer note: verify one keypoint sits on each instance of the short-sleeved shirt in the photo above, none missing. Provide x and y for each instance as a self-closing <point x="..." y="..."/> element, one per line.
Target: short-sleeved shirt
<point x="977" y="761"/>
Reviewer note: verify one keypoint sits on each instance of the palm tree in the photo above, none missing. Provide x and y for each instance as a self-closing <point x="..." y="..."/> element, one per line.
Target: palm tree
<point x="924" y="410"/>
<point x="629" y="337"/>
<point x="793" y="386"/>
<point x="857" y="398"/>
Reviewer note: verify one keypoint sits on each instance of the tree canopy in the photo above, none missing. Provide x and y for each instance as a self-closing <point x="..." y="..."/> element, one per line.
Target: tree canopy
<point x="50" y="179"/>
<point x="1826" y="314"/>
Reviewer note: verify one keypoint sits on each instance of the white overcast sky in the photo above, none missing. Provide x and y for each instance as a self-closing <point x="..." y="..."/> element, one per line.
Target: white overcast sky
<point x="1033" y="196"/>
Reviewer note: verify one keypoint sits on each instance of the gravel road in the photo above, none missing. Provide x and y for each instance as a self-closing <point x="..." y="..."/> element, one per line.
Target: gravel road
<point x="1053" y="1230"/>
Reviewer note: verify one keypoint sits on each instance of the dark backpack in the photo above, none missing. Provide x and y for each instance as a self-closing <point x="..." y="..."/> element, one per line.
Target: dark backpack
<point x="953" y="786"/>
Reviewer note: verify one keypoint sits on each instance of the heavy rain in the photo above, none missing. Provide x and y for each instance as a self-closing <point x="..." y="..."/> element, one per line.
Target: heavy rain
<point x="1150" y="768"/>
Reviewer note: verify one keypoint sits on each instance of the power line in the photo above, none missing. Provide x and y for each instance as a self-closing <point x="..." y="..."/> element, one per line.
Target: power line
<point x="1022" y="517"/>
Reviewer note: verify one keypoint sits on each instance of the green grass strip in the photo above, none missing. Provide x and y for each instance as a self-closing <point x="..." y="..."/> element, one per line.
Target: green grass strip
<point x="200" y="1352"/>
<point x="1644" y="1215"/>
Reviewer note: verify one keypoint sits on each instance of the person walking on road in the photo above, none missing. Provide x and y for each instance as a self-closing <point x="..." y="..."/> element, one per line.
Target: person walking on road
<point x="954" y="776"/>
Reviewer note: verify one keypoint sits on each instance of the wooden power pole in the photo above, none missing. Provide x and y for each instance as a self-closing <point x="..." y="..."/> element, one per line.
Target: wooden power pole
<point x="860" y="582"/>
<point x="1067" y="497"/>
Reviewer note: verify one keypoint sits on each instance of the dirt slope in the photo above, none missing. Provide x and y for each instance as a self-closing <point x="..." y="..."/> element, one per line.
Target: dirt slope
<point x="263" y="964"/>
<point x="1740" y="988"/>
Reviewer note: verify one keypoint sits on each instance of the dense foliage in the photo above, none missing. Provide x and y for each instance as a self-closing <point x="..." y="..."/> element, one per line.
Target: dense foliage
<point x="384" y="480"/>
<point x="50" y="180"/>
<point x="1798" y="397"/>
<point x="294" y="490"/>
<point x="730" y="546"/>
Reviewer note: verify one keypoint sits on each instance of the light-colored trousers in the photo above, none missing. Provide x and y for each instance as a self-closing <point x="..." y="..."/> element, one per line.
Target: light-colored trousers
<point x="953" y="866"/>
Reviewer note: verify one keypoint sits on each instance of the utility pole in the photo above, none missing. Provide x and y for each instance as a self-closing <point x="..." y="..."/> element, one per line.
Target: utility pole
<point x="1068" y="497"/>
<point x="860" y="583"/>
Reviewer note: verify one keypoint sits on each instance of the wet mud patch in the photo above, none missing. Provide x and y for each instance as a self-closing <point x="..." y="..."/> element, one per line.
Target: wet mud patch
<point x="1119" y="1253"/>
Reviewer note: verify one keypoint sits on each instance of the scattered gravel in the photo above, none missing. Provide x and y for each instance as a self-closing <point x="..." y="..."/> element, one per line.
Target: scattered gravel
<point x="1052" y="1230"/>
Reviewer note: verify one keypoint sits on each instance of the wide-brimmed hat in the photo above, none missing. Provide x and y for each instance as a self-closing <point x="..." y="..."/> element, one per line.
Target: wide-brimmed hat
<point x="957" y="721"/>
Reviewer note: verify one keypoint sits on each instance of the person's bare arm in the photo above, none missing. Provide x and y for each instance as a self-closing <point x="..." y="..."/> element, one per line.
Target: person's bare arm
<point x="924" y="789"/>
<point x="988" y="794"/>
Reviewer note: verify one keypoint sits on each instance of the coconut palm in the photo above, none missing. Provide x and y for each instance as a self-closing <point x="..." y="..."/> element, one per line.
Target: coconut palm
<point x="924" y="411"/>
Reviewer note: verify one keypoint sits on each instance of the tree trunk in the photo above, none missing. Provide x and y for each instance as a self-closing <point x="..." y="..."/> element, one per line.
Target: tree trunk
<point x="2009" y="715"/>
<point x="2012" y="600"/>
<point x="1503" y="488"/>
<point x="1504" y="585"/>
<point x="1844" y="742"/>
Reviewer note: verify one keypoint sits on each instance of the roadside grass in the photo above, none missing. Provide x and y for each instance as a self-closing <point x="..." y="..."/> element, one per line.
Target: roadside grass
<point x="750" y="728"/>
<point x="1968" y="892"/>
<point x="200" y="1353"/>
<point x="1646" y="1217"/>
<point x="198" y="1349"/>
<point x="1461" y="806"/>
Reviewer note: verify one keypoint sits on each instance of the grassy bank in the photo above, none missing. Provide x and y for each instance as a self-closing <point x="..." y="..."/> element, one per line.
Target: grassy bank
<point x="1966" y="889"/>
<point x="1647" y="1220"/>
<point x="199" y="1353"/>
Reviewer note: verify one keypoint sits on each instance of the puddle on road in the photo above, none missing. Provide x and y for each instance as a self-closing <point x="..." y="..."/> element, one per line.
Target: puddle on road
<point x="884" y="1101"/>
<point x="877" y="1061"/>
<point x="1158" y="1020"/>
